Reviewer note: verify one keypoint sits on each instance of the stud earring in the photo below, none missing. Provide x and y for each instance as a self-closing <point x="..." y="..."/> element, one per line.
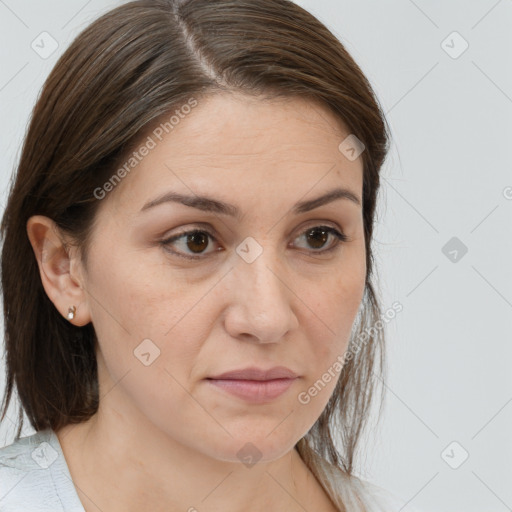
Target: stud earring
<point x="71" y="313"/>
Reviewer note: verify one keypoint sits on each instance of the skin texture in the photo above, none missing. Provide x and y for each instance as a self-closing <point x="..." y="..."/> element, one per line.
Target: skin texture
<point x="170" y="438"/>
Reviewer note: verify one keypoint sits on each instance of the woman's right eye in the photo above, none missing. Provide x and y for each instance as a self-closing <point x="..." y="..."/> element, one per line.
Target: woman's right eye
<point x="195" y="240"/>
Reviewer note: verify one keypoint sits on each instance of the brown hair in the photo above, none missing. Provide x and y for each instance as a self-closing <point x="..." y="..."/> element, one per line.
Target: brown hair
<point x="126" y="70"/>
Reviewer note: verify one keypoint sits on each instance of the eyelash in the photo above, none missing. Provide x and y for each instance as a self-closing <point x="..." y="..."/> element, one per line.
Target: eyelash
<point x="341" y="237"/>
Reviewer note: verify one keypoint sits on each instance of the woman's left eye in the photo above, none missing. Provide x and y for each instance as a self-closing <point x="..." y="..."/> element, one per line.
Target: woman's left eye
<point x="318" y="236"/>
<point x="197" y="241"/>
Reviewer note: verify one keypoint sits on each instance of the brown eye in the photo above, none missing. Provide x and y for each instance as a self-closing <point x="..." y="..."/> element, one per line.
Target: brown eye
<point x="190" y="244"/>
<point x="318" y="236"/>
<point x="197" y="241"/>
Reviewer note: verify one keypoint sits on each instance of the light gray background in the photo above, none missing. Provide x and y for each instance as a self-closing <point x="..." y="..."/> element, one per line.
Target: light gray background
<point x="449" y="174"/>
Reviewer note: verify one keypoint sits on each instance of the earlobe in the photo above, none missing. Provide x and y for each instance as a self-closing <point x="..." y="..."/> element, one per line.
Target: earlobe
<point x="55" y="259"/>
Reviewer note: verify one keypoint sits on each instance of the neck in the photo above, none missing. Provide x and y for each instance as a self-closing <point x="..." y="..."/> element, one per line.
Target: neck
<point x="155" y="472"/>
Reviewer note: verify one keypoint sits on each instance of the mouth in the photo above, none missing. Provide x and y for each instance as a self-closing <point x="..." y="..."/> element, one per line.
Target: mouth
<point x="253" y="391"/>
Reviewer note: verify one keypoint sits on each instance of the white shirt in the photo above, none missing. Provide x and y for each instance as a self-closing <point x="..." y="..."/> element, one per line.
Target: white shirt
<point x="34" y="477"/>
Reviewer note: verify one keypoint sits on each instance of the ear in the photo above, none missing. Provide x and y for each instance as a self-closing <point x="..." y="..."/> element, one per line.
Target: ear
<point x="60" y="268"/>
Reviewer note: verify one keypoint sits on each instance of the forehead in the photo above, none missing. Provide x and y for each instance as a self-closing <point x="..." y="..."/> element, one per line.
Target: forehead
<point x="231" y="142"/>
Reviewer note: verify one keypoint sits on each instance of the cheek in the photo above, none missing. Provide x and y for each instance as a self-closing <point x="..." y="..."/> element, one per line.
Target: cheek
<point x="150" y="331"/>
<point x="129" y="290"/>
<point x="330" y="320"/>
<point x="336" y="303"/>
<point x="328" y="340"/>
<point x="143" y="314"/>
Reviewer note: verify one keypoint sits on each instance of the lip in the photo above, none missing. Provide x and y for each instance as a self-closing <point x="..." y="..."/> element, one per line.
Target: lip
<point x="254" y="391"/>
<point x="255" y="385"/>
<point x="255" y="373"/>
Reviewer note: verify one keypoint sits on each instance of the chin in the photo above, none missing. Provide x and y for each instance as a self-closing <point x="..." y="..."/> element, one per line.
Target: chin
<point x="256" y="447"/>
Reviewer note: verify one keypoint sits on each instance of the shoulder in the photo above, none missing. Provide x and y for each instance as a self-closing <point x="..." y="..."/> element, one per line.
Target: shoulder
<point x="19" y="453"/>
<point x="26" y="480"/>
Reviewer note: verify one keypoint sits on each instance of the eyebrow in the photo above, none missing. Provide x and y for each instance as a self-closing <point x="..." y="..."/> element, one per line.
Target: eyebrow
<point x="208" y="204"/>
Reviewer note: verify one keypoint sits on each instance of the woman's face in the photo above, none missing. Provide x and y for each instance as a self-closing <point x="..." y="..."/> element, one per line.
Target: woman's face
<point x="271" y="285"/>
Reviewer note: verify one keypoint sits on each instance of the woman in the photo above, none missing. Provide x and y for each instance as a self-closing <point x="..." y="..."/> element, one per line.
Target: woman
<point x="187" y="267"/>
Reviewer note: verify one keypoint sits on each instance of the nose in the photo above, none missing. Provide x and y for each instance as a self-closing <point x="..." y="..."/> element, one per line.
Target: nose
<point x="260" y="300"/>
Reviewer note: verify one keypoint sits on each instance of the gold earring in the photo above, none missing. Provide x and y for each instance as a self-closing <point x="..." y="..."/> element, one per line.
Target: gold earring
<point x="71" y="313"/>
